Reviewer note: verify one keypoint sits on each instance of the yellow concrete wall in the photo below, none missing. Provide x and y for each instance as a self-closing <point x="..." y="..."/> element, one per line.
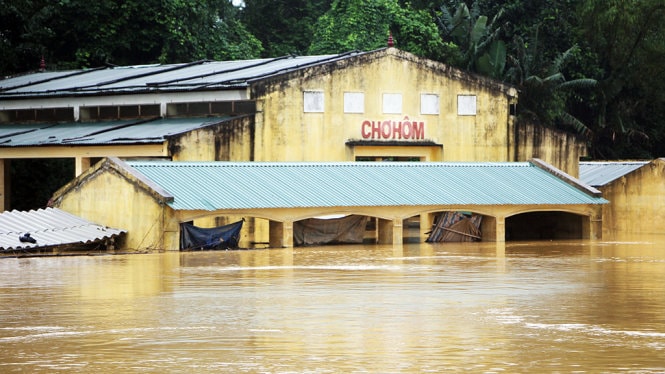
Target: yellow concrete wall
<point x="103" y="196"/>
<point x="636" y="202"/>
<point x="231" y="141"/>
<point x="561" y="149"/>
<point x="285" y="133"/>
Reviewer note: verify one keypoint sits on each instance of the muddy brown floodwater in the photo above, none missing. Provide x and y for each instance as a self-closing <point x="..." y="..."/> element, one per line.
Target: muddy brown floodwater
<point x="566" y="306"/>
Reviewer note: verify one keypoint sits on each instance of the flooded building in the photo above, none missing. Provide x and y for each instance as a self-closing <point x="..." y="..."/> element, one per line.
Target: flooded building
<point x="635" y="190"/>
<point x="382" y="105"/>
<point x="152" y="198"/>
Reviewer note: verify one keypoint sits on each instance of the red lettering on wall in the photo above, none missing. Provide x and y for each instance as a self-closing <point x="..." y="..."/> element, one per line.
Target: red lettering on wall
<point x="397" y="130"/>
<point x="366" y="130"/>
<point x="393" y="130"/>
<point x="418" y="130"/>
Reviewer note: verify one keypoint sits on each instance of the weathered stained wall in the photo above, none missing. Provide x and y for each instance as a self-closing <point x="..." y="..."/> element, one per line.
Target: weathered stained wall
<point x="558" y="148"/>
<point x="105" y="196"/>
<point x="636" y="202"/>
<point x="231" y="140"/>
<point x="284" y="132"/>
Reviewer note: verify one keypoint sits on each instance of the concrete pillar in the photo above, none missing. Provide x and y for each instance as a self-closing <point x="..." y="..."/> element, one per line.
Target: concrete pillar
<point x="592" y="226"/>
<point x="398" y="232"/>
<point x="171" y="232"/>
<point x="500" y="229"/>
<point x="281" y="234"/>
<point x="390" y="232"/>
<point x="426" y="222"/>
<point x="5" y="183"/>
<point x="81" y="164"/>
<point x="384" y="231"/>
<point x="493" y="229"/>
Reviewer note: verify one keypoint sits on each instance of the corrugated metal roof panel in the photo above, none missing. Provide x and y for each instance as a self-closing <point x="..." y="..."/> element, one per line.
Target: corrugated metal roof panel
<point x="157" y="77"/>
<point x="49" y="227"/>
<point x="93" y="133"/>
<point x="227" y="185"/>
<point x="32" y="79"/>
<point x="597" y="173"/>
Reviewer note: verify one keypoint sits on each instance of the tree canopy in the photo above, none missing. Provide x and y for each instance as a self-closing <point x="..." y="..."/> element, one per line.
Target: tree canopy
<point x="78" y="34"/>
<point x="366" y="24"/>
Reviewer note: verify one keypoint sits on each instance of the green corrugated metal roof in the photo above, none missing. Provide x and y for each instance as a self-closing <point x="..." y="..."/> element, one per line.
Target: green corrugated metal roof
<point x="230" y="185"/>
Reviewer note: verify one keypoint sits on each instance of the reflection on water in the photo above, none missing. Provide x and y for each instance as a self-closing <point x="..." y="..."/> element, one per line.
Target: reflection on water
<point x="574" y="306"/>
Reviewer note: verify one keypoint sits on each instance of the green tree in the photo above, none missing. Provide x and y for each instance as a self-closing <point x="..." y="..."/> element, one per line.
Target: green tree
<point x="21" y="33"/>
<point x="544" y="90"/>
<point x="627" y="41"/>
<point x="75" y="33"/>
<point x="365" y="25"/>
<point x="283" y="26"/>
<point x="477" y="39"/>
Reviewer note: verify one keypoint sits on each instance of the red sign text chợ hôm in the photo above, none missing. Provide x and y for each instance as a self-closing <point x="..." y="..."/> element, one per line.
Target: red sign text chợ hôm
<point x="393" y="130"/>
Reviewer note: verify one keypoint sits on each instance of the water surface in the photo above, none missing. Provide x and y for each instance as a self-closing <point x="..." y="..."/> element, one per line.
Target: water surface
<point x="573" y="306"/>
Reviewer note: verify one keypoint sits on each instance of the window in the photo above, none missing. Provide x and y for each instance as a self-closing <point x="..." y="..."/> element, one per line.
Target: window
<point x="466" y="105"/>
<point x="392" y="103"/>
<point x="354" y="102"/>
<point x="429" y="104"/>
<point x="313" y="101"/>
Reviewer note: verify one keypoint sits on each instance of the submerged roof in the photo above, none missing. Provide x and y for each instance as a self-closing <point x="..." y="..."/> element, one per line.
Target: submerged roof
<point x="597" y="173"/>
<point x="96" y="133"/>
<point x="198" y="75"/>
<point x="229" y="185"/>
<point x="49" y="227"/>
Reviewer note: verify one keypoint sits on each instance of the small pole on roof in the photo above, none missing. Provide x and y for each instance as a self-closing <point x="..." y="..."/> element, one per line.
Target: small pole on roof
<point x="391" y="42"/>
<point x="42" y="64"/>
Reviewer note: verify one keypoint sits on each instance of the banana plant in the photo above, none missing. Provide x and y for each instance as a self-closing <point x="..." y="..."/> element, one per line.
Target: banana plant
<point x="543" y="86"/>
<point x="477" y="39"/>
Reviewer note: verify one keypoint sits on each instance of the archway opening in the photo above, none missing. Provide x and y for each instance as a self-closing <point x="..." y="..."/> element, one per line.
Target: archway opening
<point x="544" y="226"/>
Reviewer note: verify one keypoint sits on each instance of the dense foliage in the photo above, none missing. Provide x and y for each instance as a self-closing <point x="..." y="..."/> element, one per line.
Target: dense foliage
<point x="284" y="27"/>
<point x="79" y="33"/>
<point x="589" y="66"/>
<point x="366" y="24"/>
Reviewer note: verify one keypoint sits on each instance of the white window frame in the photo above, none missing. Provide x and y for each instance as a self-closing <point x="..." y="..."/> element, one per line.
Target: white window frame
<point x="354" y="102"/>
<point x="467" y="105"/>
<point x="430" y="103"/>
<point x="313" y="101"/>
<point x="392" y="103"/>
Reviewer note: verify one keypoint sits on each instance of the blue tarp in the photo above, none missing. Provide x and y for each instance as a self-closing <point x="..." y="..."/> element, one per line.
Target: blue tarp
<point x="198" y="238"/>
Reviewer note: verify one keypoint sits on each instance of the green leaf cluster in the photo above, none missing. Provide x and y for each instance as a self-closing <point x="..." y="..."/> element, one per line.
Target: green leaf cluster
<point x="79" y="34"/>
<point x="366" y="24"/>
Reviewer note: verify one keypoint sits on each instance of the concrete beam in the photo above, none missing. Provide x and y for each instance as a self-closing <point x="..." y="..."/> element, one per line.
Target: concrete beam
<point x="143" y="150"/>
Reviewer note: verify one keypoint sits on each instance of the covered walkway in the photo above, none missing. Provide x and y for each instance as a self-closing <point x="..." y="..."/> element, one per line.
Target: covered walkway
<point x="284" y="193"/>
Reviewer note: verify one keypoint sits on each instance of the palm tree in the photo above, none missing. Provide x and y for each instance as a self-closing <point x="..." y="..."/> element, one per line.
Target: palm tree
<point x="543" y="87"/>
